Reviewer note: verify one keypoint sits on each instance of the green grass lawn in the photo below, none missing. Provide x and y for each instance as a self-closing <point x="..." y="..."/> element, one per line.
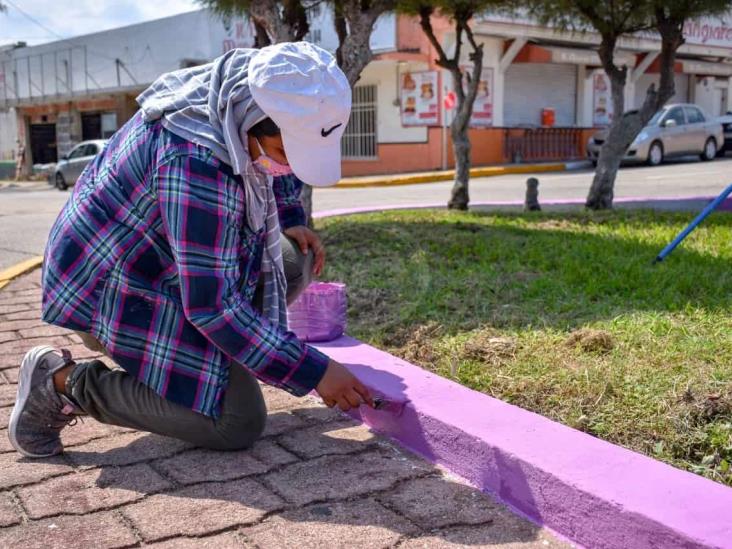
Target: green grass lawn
<point x="564" y="315"/>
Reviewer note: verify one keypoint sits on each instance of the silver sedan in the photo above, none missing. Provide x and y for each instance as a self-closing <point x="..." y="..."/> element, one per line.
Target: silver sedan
<point x="69" y="168"/>
<point x="676" y="130"/>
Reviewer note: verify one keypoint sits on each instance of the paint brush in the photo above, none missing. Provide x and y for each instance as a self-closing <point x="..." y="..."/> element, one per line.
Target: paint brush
<point x="389" y="405"/>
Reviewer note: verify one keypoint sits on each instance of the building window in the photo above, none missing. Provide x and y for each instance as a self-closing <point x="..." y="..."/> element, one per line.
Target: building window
<point x="109" y="124"/>
<point x="98" y="125"/>
<point x="359" y="139"/>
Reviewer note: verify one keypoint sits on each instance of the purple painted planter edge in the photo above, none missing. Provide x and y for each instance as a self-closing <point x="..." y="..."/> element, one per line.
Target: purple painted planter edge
<point x="725" y="206"/>
<point x="593" y="492"/>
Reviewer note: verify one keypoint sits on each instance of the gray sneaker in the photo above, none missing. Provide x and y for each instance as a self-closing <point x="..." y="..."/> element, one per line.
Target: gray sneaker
<point x="40" y="412"/>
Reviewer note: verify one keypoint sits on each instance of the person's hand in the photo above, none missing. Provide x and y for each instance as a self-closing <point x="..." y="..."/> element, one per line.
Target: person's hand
<point x="307" y="239"/>
<point x="340" y="387"/>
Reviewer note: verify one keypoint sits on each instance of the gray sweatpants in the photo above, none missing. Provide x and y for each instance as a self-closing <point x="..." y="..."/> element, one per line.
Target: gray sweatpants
<point x="116" y="398"/>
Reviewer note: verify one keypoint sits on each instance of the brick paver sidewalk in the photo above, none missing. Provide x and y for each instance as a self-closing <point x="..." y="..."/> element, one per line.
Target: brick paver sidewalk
<point x="317" y="479"/>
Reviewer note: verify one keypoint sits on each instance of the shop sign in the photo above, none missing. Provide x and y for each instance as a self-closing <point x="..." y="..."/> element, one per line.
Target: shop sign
<point x="419" y="97"/>
<point x="708" y="31"/>
<point x="602" y="102"/>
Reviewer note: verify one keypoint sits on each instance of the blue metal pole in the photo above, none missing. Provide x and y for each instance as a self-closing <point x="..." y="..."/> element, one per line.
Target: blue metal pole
<point x="693" y="225"/>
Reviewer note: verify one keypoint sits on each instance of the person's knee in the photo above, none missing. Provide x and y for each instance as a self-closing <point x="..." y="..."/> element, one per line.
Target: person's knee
<point x="240" y="433"/>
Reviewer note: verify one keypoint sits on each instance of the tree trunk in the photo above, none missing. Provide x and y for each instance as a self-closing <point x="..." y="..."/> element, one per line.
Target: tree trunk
<point x="261" y="38"/>
<point x="354" y="23"/>
<point x="460" y="197"/>
<point x="625" y="128"/>
<point x="287" y="25"/>
<point x="619" y="137"/>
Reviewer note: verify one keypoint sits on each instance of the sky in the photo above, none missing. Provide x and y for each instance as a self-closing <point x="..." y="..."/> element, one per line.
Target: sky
<point x="74" y="17"/>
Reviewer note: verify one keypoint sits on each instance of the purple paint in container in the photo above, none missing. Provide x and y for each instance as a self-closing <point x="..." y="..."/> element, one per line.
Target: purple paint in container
<point x="319" y="314"/>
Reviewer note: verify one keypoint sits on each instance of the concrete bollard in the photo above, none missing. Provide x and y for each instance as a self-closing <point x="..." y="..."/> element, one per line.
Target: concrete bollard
<point x="531" y="202"/>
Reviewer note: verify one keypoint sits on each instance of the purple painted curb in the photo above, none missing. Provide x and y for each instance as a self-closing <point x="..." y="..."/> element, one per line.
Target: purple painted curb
<point x="668" y="201"/>
<point x="593" y="492"/>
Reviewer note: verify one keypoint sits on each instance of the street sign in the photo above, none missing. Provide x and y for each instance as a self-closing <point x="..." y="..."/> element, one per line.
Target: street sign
<point x="450" y="100"/>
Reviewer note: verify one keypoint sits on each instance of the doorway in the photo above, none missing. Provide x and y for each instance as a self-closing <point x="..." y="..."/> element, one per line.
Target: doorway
<point x="43" y="143"/>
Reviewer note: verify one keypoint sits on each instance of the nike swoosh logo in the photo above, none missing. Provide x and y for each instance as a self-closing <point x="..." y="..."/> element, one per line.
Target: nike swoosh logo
<point x="325" y="133"/>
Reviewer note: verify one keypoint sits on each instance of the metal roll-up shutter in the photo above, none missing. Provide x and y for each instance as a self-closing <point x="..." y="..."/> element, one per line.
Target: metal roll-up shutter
<point x="530" y="87"/>
<point x="681" y="84"/>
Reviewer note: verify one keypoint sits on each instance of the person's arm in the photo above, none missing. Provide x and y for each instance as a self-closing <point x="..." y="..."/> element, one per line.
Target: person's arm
<point x="197" y="203"/>
<point x="287" y="190"/>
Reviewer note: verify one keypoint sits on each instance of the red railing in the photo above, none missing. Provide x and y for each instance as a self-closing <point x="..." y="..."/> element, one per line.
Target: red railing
<point x="539" y="144"/>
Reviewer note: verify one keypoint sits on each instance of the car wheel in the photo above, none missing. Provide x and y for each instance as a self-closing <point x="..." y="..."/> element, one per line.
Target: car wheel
<point x="61" y="182"/>
<point x="710" y="150"/>
<point x="655" y="154"/>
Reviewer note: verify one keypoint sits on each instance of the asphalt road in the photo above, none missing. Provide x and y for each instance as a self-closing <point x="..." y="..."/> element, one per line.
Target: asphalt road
<point x="27" y="213"/>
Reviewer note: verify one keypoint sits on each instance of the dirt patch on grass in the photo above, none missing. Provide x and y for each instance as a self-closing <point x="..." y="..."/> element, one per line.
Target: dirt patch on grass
<point x="591" y="341"/>
<point x="703" y="409"/>
<point x="416" y="344"/>
<point x="486" y="346"/>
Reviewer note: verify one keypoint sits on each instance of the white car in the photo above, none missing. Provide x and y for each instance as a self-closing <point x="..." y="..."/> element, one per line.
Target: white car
<point x="726" y="122"/>
<point x="676" y="130"/>
<point x="69" y="168"/>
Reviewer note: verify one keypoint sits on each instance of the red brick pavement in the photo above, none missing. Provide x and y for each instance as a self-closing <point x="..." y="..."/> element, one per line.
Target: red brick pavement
<point x="317" y="479"/>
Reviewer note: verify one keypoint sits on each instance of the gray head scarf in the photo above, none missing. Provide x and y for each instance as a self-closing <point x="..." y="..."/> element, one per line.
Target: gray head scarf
<point x="211" y="105"/>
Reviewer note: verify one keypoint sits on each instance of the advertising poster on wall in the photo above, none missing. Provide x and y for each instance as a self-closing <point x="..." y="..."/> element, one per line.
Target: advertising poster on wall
<point x="483" y="105"/>
<point x="419" y="95"/>
<point x="602" y="102"/>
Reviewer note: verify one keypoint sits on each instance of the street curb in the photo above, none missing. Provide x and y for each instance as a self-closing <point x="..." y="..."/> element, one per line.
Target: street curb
<point x="668" y="203"/>
<point x="593" y="492"/>
<point x="449" y="175"/>
<point x="19" y="269"/>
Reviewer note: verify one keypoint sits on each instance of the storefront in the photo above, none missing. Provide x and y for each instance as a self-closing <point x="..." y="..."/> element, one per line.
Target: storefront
<point x="542" y="92"/>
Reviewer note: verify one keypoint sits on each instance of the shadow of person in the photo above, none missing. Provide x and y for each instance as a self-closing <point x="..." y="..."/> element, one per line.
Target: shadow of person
<point x="321" y="483"/>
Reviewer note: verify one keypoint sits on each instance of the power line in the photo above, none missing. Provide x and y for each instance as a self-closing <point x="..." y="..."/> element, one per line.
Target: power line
<point x="57" y="35"/>
<point x="34" y="20"/>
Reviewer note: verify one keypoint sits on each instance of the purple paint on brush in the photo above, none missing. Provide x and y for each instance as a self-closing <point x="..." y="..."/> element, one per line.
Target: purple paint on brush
<point x="388" y="405"/>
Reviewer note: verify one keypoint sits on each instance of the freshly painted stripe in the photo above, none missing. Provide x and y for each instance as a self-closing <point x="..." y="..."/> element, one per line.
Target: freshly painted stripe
<point x="593" y="492"/>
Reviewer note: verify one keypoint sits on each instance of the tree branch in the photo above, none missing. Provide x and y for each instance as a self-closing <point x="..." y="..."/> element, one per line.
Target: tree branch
<point x="425" y="14"/>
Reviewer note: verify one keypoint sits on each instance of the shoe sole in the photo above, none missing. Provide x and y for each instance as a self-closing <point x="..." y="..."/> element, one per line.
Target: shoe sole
<point x="24" y="387"/>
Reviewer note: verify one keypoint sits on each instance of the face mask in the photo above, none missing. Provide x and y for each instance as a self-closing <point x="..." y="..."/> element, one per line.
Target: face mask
<point x="270" y="166"/>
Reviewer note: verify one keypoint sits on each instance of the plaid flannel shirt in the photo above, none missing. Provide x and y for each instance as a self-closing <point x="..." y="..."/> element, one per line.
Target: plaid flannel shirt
<point x="153" y="256"/>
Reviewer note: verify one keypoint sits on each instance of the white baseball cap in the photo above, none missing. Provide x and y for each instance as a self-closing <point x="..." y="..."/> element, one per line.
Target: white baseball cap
<point x="302" y="89"/>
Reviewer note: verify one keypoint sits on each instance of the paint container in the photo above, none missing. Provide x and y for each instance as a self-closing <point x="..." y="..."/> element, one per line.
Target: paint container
<point x="319" y="314"/>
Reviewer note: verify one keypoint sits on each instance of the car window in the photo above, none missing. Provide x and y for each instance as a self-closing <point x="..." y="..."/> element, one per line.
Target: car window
<point x="91" y="150"/>
<point x="677" y="114"/>
<point x="656" y="118"/>
<point x="694" y="115"/>
<point x="78" y="152"/>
